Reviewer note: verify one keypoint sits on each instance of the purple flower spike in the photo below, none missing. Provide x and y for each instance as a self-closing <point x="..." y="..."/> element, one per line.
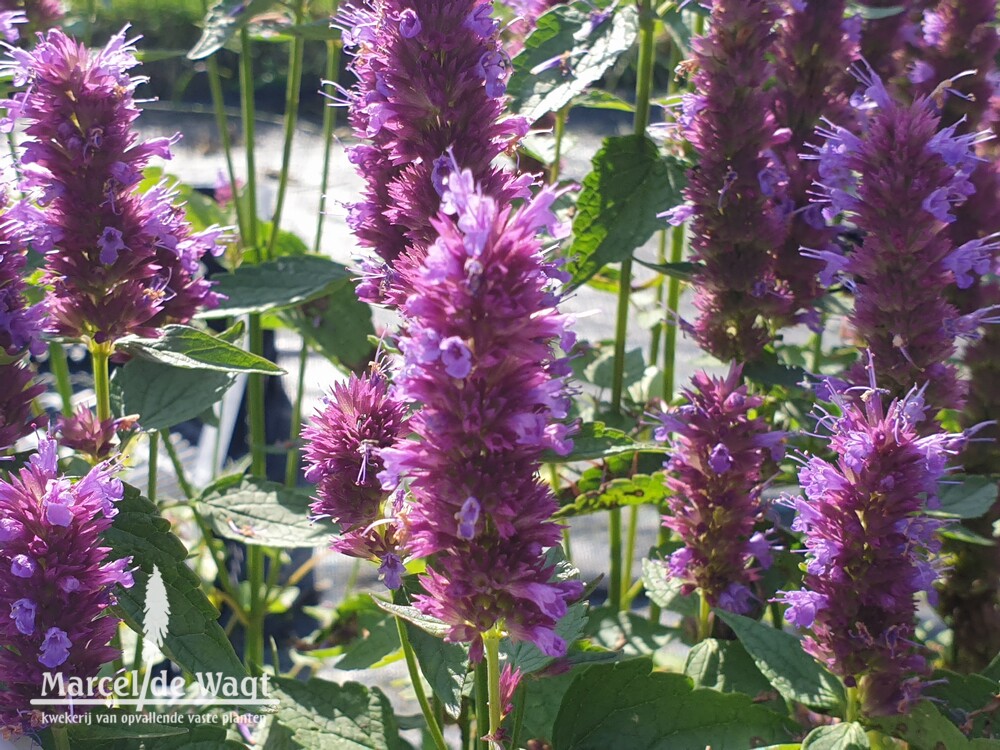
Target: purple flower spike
<point x="120" y="262"/>
<point x="867" y="545"/>
<point x="899" y="183"/>
<point x="53" y="609"/>
<point x="455" y="106"/>
<point x="344" y="447"/>
<point x="715" y="476"/>
<point x="477" y="508"/>
<point x="736" y="227"/>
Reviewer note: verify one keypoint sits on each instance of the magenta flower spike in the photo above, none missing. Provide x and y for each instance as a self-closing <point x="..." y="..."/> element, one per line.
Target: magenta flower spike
<point x="343" y="450"/>
<point x="738" y="225"/>
<point x="715" y="476"/>
<point x="814" y="51"/>
<point x="120" y="262"/>
<point x="478" y="357"/>
<point x="898" y="183"/>
<point x="868" y="544"/>
<point x="412" y="122"/>
<point x="57" y="580"/>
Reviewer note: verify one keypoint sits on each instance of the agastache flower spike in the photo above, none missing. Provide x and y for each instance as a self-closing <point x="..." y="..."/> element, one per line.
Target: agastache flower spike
<point x="898" y="183"/>
<point x="478" y="511"/>
<point x="412" y="122"/>
<point x="715" y="475"/>
<point x="343" y="449"/>
<point x="868" y="544"/>
<point x="736" y="226"/>
<point x="814" y="50"/>
<point x="57" y="580"/>
<point x="120" y="262"/>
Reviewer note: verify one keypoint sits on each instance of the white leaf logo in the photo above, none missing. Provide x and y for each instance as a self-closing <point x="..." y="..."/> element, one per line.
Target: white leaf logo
<point x="156" y="614"/>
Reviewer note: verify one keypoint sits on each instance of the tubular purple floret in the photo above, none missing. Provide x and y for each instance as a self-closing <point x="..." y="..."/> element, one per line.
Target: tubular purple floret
<point x="58" y="579"/>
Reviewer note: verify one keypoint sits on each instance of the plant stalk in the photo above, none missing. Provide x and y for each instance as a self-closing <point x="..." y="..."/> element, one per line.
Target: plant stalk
<point x="418" y="688"/>
<point x="222" y="124"/>
<point x="249" y="126"/>
<point x="100" y="355"/>
<point x="296" y="53"/>
<point x="60" y="736"/>
<point x="491" y="644"/>
<point x="559" y="131"/>
<point x="704" y="617"/>
<point x="60" y="371"/>
<point x="482" y="703"/>
<point x="329" y="121"/>
<point x="292" y="457"/>
<point x="154" y="455"/>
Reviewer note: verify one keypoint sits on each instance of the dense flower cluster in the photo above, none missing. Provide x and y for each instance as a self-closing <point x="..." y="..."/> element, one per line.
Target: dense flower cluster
<point x="343" y="449"/>
<point x="90" y="436"/>
<point x="815" y="47"/>
<point x="478" y="358"/>
<point x="17" y="391"/>
<point x="412" y="121"/>
<point x="717" y="456"/>
<point x="38" y="14"/>
<point x="57" y="580"/>
<point x="737" y="226"/>
<point x="899" y="183"/>
<point x="119" y="262"/>
<point x="867" y="544"/>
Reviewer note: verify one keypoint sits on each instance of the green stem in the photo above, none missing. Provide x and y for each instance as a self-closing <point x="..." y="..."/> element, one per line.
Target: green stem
<point x="519" y="710"/>
<point x="559" y="131"/>
<point x="853" y="710"/>
<point x="633" y="528"/>
<point x="60" y="370"/>
<point x="60" y="736"/>
<point x="253" y="651"/>
<point x="329" y="120"/>
<point x="817" y="349"/>
<point x="615" y="577"/>
<point x="659" y="329"/>
<point x="704" y="617"/>
<point x="292" y="457"/>
<point x="482" y="702"/>
<point x="154" y="454"/>
<point x="99" y="356"/>
<point x="255" y="403"/>
<point x="491" y="644"/>
<point x="175" y="461"/>
<point x="248" y="111"/>
<point x="673" y="303"/>
<point x="295" y="55"/>
<point x="418" y="686"/>
<point x="222" y="125"/>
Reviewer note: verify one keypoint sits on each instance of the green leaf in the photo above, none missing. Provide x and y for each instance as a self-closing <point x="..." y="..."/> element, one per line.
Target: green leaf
<point x="629" y="184"/>
<point x="565" y="53"/>
<point x="444" y="665"/>
<point x="627" y="632"/>
<point x="779" y="656"/>
<point x="769" y="371"/>
<point x="337" y="326"/>
<point x="924" y="728"/>
<point x="663" y="590"/>
<point x="224" y="19"/>
<point x="868" y="13"/>
<point x="194" y="639"/>
<point x="379" y="641"/>
<point x="325" y="716"/>
<point x="542" y="698"/>
<point x="683" y="270"/>
<point x="963" y="694"/>
<point x="623" y="705"/>
<point x="992" y="671"/>
<point x="428" y="624"/>
<point x="592" y="441"/>
<point x="727" y="667"/>
<point x="164" y="396"/>
<point x="640" y="489"/>
<point x="847" y="736"/>
<point x="971" y="497"/>
<point x="959" y="533"/>
<point x="261" y="513"/>
<point x="276" y="284"/>
<point x="598" y="99"/>
<point x="192" y="349"/>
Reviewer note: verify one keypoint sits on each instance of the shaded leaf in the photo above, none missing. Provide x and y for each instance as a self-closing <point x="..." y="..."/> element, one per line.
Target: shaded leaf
<point x="570" y="47"/>
<point x="164" y="396"/>
<point x="727" y="667"/>
<point x="966" y="497"/>
<point x="640" y="489"/>
<point x="629" y="184"/>
<point x="779" y="656"/>
<point x="193" y="349"/>
<point x="337" y="325"/>
<point x="683" y="270"/>
<point x="444" y="665"/>
<point x="194" y="639"/>
<point x="262" y="513"/>
<point x="624" y="705"/>
<point x="627" y="632"/>
<point x="276" y="284"/>
<point x="924" y="728"/>
<point x="428" y="624"/>
<point x="529" y="658"/>
<point x="663" y="590"/>
<point x="224" y="19"/>
<point x="592" y="441"/>
<point x="325" y="716"/>
<point x="846" y="736"/>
